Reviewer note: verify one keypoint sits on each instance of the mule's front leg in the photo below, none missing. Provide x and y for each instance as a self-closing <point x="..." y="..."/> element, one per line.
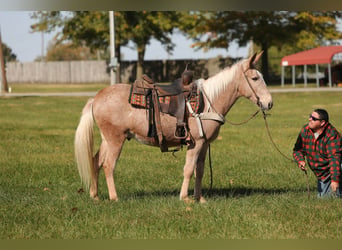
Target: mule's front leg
<point x="199" y="172"/>
<point x="189" y="167"/>
<point x="188" y="172"/>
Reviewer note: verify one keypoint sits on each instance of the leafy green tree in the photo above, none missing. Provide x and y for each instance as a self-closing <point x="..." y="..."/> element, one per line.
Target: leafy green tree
<point x="91" y="29"/>
<point x="68" y="52"/>
<point x="300" y="30"/>
<point x="81" y="28"/>
<point x="144" y="25"/>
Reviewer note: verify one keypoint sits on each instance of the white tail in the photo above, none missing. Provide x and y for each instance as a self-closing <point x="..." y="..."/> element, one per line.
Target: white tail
<point x="84" y="144"/>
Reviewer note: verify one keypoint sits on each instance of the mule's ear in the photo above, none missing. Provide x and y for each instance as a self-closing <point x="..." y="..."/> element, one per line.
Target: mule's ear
<point x="257" y="58"/>
<point x="253" y="60"/>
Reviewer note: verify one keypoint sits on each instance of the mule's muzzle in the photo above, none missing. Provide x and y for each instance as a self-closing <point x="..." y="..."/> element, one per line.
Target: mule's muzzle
<point x="265" y="105"/>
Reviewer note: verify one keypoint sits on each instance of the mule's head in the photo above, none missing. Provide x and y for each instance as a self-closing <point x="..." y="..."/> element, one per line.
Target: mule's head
<point x="253" y="85"/>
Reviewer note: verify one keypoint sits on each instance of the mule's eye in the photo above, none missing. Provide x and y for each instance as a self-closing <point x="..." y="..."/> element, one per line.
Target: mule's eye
<point x="255" y="78"/>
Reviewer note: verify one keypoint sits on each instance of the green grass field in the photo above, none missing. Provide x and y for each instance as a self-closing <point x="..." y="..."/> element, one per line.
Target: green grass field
<point x="257" y="193"/>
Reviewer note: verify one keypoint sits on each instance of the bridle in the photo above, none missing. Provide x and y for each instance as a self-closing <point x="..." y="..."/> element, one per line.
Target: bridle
<point x="256" y="96"/>
<point x="250" y="86"/>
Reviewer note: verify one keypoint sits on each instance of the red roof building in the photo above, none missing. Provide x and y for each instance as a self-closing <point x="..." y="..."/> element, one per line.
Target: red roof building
<point x="320" y="55"/>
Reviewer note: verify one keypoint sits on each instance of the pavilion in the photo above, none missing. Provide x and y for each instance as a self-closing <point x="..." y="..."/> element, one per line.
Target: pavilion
<point x="320" y="55"/>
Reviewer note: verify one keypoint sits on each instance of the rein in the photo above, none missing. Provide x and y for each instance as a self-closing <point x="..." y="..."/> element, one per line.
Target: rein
<point x="247" y="120"/>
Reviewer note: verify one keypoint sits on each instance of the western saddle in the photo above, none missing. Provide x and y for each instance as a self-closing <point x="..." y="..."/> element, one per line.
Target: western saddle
<point x="170" y="99"/>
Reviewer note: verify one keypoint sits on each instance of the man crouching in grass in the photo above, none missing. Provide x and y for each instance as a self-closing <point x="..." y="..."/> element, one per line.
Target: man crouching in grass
<point x="320" y="143"/>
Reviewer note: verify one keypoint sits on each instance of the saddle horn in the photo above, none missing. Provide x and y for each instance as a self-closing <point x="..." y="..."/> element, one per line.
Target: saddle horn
<point x="187" y="76"/>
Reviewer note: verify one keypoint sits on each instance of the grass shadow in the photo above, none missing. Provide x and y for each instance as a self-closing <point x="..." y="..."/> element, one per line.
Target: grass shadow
<point x="242" y="192"/>
<point x="238" y="192"/>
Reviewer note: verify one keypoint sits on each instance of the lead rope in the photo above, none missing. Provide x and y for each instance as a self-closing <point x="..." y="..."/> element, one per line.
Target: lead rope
<point x="211" y="171"/>
<point x="269" y="134"/>
<point x="243" y="122"/>
<point x="276" y="147"/>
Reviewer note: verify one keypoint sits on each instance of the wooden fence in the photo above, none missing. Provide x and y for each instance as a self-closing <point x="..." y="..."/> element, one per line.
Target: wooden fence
<point x="98" y="71"/>
<point x="57" y="72"/>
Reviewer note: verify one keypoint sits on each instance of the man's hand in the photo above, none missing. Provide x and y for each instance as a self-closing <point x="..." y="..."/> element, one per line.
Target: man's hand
<point x="301" y="165"/>
<point x="334" y="186"/>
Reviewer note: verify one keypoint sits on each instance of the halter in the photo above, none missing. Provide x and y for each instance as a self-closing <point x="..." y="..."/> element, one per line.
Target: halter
<point x="250" y="86"/>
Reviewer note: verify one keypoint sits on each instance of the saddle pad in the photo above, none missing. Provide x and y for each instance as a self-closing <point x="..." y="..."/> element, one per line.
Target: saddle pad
<point x="196" y="103"/>
<point x="140" y="101"/>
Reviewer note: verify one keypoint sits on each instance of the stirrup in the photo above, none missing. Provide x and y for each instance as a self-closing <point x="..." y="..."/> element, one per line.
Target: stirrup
<point x="180" y="130"/>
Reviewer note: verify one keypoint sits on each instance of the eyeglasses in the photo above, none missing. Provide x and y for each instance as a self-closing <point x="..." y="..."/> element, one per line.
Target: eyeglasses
<point x="314" y="118"/>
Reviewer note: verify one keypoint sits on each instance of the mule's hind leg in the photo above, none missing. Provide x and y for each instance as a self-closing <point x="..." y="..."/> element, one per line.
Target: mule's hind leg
<point x="109" y="155"/>
<point x="95" y="177"/>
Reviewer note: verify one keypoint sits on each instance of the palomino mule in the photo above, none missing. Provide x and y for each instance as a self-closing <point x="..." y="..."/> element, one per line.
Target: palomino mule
<point x="117" y="121"/>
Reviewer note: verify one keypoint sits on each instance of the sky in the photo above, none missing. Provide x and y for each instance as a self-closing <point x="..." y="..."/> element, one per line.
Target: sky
<point x="27" y="46"/>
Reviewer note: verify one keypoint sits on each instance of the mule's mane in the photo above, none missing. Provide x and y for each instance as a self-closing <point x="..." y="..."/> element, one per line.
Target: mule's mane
<point x="214" y="85"/>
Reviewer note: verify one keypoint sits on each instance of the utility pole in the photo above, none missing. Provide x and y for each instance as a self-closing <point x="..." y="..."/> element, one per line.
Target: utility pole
<point x="42" y="48"/>
<point x="3" y="71"/>
<point x="113" y="60"/>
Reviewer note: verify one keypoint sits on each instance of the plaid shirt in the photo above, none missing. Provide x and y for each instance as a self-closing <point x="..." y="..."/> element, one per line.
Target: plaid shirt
<point x="322" y="154"/>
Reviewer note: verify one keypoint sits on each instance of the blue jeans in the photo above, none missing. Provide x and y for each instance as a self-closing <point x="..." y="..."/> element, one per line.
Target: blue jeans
<point x="324" y="190"/>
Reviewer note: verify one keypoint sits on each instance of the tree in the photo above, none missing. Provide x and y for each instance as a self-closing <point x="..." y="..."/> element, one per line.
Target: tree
<point x="301" y="30"/>
<point x="68" y="52"/>
<point x="91" y="29"/>
<point x="9" y="56"/>
<point x="81" y="28"/>
<point x="143" y="26"/>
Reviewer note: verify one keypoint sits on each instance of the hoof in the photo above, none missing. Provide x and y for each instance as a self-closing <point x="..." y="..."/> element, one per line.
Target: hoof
<point x="95" y="197"/>
<point x="188" y="200"/>
<point x="202" y="200"/>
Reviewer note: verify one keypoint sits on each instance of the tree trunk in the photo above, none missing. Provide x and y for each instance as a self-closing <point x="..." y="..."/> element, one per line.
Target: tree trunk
<point x="118" y="68"/>
<point x="140" y="63"/>
<point x="264" y="63"/>
<point x="3" y="70"/>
